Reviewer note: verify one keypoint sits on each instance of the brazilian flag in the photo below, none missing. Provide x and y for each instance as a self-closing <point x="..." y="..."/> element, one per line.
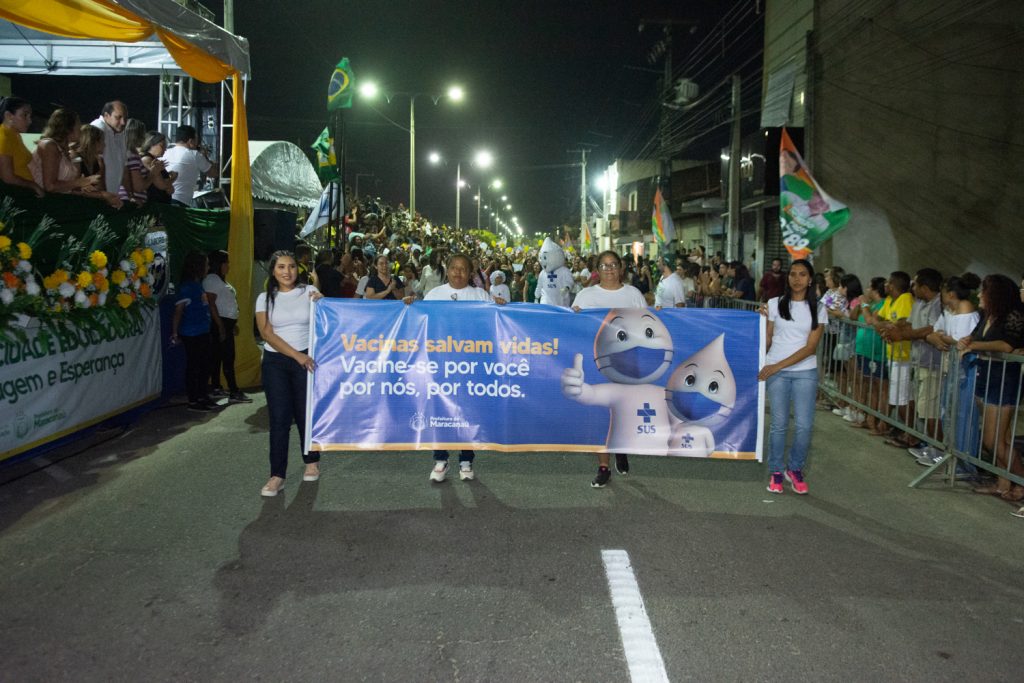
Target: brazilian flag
<point x="341" y="87"/>
<point x="327" y="162"/>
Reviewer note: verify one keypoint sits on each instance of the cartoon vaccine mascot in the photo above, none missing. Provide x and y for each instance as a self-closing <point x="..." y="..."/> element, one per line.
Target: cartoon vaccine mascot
<point x="701" y="394"/>
<point x="632" y="349"/>
<point x="555" y="283"/>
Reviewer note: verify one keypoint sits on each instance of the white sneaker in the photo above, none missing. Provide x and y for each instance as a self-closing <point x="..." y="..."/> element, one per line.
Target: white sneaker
<point x="466" y="471"/>
<point x="852" y="416"/>
<point x="920" y="452"/>
<point x="440" y="471"/>
<point x="841" y="412"/>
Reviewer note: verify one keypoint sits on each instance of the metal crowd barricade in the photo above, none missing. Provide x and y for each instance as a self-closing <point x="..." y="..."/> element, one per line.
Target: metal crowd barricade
<point x="728" y="302"/>
<point x="966" y="408"/>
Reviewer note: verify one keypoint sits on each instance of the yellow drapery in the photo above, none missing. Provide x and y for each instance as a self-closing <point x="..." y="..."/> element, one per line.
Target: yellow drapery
<point x="247" y="361"/>
<point x="104" y="20"/>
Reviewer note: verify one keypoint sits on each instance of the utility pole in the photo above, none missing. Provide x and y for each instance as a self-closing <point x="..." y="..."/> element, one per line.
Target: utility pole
<point x="665" y="162"/>
<point x="583" y="190"/>
<point x="735" y="217"/>
<point x="229" y="16"/>
<point x="663" y="48"/>
<point x="458" y="197"/>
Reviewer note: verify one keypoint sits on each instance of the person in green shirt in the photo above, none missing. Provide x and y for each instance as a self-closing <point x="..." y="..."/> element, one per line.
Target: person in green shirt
<point x="529" y="294"/>
<point x="870" y="358"/>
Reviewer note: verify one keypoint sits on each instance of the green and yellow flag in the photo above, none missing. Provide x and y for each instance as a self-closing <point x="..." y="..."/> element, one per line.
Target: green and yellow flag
<point x="326" y="160"/>
<point x="341" y="87"/>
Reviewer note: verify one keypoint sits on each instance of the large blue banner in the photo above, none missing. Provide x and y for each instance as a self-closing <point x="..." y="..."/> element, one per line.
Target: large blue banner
<point x="525" y="377"/>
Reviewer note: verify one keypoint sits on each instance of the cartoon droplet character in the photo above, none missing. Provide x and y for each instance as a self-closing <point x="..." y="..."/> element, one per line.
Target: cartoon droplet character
<point x="632" y="349"/>
<point x="700" y="394"/>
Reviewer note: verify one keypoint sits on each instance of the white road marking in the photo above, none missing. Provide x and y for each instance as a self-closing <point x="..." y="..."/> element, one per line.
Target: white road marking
<point x="642" y="655"/>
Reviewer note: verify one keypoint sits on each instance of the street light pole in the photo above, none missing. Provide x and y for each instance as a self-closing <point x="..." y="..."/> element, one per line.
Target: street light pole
<point x="458" y="196"/>
<point x="412" y="156"/>
<point x="369" y="89"/>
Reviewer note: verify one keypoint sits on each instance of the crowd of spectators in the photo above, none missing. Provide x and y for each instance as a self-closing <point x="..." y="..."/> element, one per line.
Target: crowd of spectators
<point x="896" y="363"/>
<point x="113" y="159"/>
<point x="893" y="363"/>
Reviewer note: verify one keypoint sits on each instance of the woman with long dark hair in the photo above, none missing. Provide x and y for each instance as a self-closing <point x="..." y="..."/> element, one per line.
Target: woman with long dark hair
<point x="998" y="388"/>
<point x="223" y="301"/>
<point x="191" y="328"/>
<point x="959" y="318"/>
<point x="282" y="318"/>
<point x="15" y="118"/>
<point x="796" y="321"/>
<point x="136" y="179"/>
<point x="850" y="291"/>
<point x="162" y="187"/>
<point x="869" y="359"/>
<point x="382" y="284"/>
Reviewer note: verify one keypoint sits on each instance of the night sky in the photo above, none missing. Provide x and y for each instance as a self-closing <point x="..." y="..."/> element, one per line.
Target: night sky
<point x="541" y="78"/>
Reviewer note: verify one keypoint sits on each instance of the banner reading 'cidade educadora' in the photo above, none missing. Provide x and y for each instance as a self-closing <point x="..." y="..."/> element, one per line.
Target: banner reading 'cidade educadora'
<point x="56" y="382"/>
<point x="525" y="377"/>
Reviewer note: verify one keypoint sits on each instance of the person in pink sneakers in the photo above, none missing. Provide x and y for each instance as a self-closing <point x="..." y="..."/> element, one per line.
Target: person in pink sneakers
<point x="795" y="324"/>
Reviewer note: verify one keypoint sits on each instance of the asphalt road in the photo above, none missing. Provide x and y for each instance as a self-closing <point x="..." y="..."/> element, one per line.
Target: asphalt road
<point x="151" y="556"/>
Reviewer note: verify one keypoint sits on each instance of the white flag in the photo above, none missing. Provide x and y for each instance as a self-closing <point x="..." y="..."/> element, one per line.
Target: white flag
<point x="319" y="218"/>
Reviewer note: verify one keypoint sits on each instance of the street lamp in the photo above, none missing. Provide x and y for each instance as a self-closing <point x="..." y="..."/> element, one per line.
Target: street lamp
<point x="370" y="90"/>
<point x="482" y="159"/>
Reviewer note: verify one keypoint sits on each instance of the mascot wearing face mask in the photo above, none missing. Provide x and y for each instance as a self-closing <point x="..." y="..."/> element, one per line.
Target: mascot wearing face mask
<point x="554" y="284"/>
<point x="632" y="350"/>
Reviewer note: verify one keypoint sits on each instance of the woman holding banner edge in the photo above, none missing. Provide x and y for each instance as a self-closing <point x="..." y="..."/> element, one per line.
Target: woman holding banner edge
<point x="457" y="288"/>
<point x="283" y="317"/>
<point x="791" y="373"/>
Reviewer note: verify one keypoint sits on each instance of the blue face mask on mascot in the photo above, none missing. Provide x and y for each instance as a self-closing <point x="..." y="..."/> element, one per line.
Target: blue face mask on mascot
<point x="632" y="346"/>
<point x="636" y="362"/>
<point x="703" y="389"/>
<point x="693" y="406"/>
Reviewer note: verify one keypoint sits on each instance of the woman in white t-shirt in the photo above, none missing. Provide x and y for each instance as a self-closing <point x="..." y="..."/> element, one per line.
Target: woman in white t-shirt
<point x="282" y="317"/>
<point x="959" y="318"/>
<point x="791" y="373"/>
<point x="223" y="303"/>
<point x="457" y="288"/>
<point x="609" y="292"/>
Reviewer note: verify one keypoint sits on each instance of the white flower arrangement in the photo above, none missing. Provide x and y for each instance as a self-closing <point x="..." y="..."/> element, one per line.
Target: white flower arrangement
<point x="32" y="287"/>
<point x="81" y="299"/>
<point x="23" y="266"/>
<point x="6" y="296"/>
<point x="66" y="290"/>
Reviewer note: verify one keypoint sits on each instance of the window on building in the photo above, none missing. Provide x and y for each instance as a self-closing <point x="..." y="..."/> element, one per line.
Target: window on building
<point x="632" y="200"/>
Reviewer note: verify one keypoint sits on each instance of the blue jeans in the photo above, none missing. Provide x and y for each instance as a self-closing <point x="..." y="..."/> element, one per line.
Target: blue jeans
<point x="464" y="456"/>
<point x="796" y="388"/>
<point x="284" y="383"/>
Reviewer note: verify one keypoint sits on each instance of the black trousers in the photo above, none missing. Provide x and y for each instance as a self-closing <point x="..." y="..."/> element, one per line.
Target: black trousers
<point x="222" y="354"/>
<point x="197" y="353"/>
<point x="284" y="383"/>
